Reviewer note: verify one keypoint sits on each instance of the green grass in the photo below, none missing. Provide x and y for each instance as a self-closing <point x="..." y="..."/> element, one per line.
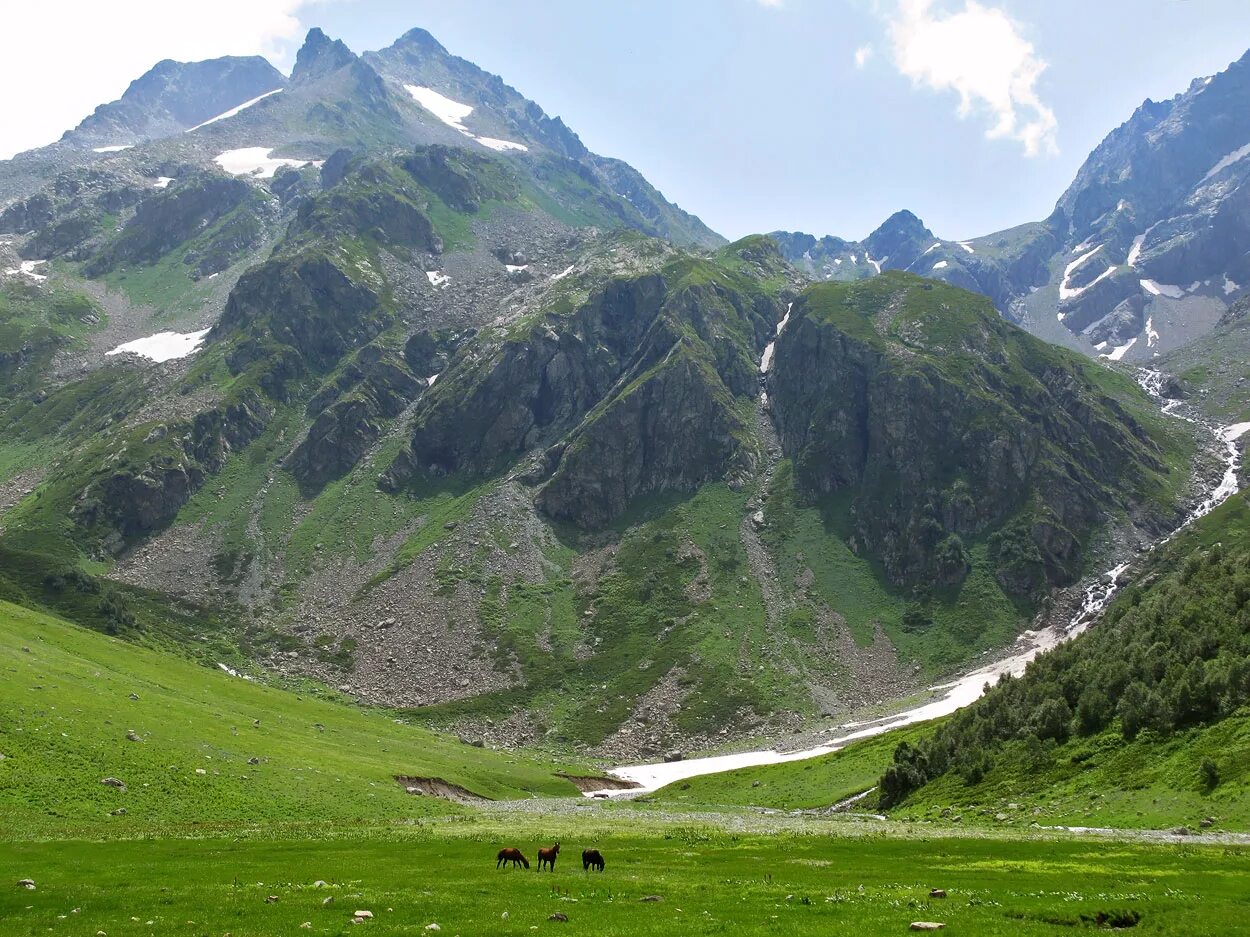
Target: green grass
<point x="1152" y="782"/>
<point x="66" y="693"/>
<point x="707" y="882"/>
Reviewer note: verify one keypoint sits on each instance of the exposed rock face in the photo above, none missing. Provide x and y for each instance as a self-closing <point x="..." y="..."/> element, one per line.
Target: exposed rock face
<point x="319" y="56"/>
<point x="635" y="392"/>
<point x="174" y="96"/>
<point x="944" y="433"/>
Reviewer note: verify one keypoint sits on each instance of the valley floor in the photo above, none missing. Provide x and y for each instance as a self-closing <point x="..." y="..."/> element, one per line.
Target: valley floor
<point x="661" y="878"/>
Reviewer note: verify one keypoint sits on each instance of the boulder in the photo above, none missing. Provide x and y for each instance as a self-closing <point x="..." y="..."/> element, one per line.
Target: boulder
<point x="926" y="925"/>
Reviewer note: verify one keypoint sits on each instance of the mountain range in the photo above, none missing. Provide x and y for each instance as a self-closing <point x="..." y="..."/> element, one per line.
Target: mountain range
<point x="376" y="376"/>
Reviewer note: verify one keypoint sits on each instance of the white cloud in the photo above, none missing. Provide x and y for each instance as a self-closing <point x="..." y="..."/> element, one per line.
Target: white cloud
<point x="980" y="54"/>
<point x="63" y="57"/>
<point x="772" y="4"/>
<point x="862" y="55"/>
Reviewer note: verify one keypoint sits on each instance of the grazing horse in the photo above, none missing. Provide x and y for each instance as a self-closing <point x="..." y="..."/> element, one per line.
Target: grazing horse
<point x="592" y="858"/>
<point x="548" y="856"/>
<point x="513" y="855"/>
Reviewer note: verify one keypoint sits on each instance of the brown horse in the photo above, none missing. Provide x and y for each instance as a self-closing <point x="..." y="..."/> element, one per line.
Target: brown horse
<point x="548" y="856"/>
<point x="592" y="858"/>
<point x="513" y="855"/>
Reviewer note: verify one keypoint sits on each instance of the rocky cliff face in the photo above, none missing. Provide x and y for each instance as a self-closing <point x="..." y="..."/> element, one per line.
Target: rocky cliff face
<point x="943" y="424"/>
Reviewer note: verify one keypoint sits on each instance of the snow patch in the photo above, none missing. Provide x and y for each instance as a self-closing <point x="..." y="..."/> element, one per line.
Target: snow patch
<point x="1235" y="156"/>
<point x="932" y="247"/>
<point x="254" y="161"/>
<point x="876" y="265"/>
<point x="939" y="265"/>
<point x="1120" y="350"/>
<point x="112" y="149"/>
<point x="453" y="113"/>
<point x="966" y="246"/>
<point x="501" y="146"/>
<point x="1135" y="251"/>
<point x="162" y="182"/>
<point x="563" y="273"/>
<point x="1230" y="286"/>
<point x="1151" y="335"/>
<point x="27" y="268"/>
<point x="164" y="346"/>
<point x="437" y="278"/>
<point x="516" y="268"/>
<point x="233" y="672"/>
<point x="1162" y="289"/>
<point x="234" y="110"/>
<point x="1066" y="292"/>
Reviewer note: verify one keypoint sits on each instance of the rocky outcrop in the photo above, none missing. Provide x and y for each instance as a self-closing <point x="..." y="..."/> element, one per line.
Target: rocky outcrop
<point x="944" y="423"/>
<point x="320" y="56"/>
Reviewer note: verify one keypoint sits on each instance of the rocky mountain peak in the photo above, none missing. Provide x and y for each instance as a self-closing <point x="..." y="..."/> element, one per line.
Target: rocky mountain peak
<point x="319" y="56"/>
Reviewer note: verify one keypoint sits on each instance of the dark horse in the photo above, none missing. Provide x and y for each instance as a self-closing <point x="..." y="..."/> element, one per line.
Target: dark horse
<point x="513" y="855"/>
<point x="592" y="858"/>
<point x="548" y="856"/>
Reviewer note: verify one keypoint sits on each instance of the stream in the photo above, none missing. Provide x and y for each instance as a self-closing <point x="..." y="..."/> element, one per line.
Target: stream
<point x="946" y="698"/>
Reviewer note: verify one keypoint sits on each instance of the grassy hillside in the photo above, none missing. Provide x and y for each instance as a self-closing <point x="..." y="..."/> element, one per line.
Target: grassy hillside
<point x="71" y="696"/>
<point x="1145" y="716"/>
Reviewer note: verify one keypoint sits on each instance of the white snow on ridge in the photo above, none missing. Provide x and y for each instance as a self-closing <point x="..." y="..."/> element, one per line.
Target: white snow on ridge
<point x="939" y="265"/>
<point x="563" y="273"/>
<point x="1135" y="251"/>
<point x="1151" y="335"/>
<point x="1233" y="157"/>
<point x="1120" y="350"/>
<point x="164" y="346"/>
<point x="516" y="268"/>
<point x="255" y="161"/>
<point x="932" y="247"/>
<point x="234" y="110"/>
<point x="162" y="182"/>
<point x="1230" y="286"/>
<point x="876" y="264"/>
<point x="112" y="149"/>
<point x="966" y="246"/>
<point x="453" y="113"/>
<point x="1066" y="292"/>
<point x="1162" y="289"/>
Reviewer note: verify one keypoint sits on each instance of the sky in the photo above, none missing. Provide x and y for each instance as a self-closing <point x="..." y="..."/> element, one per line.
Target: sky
<point x="823" y="116"/>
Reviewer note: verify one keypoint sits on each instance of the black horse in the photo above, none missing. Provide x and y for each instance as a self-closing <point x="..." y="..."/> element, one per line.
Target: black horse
<point x="592" y="858"/>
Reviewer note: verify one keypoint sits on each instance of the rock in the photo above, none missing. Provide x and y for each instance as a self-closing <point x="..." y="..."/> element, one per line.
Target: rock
<point x="329" y="899"/>
<point x="1000" y="817"/>
<point x="926" y="925"/>
<point x="113" y="782"/>
<point x="758" y="519"/>
<point x="432" y="926"/>
<point x="363" y="915"/>
<point x="271" y="899"/>
<point x="558" y="916"/>
<point x="937" y="893"/>
<point x="651" y="898"/>
<point x="674" y="756"/>
<point x="1182" y="831"/>
<point x="755" y="783"/>
<point x="27" y="883"/>
<point x="132" y="736"/>
<point x="253" y="761"/>
<point x="1207" y="822"/>
<point x="133" y="696"/>
<point x="320" y="883"/>
<point x="200" y="771"/>
<point x="119" y="812"/>
<point x="307" y="925"/>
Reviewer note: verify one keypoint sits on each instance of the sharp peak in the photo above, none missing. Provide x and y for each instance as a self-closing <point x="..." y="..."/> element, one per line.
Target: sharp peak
<point x="421" y="37"/>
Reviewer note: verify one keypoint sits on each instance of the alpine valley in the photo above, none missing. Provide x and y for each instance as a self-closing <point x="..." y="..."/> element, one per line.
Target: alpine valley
<point x="370" y="398"/>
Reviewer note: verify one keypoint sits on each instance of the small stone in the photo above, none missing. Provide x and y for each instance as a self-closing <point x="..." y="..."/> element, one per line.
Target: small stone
<point x="119" y="812"/>
<point x="364" y="915"/>
<point x="307" y="925"/>
<point x="558" y="917"/>
<point x="200" y="771"/>
<point x="651" y="898"/>
<point x="272" y="899"/>
<point x="253" y="761"/>
<point x="926" y="925"/>
<point x="504" y="916"/>
<point x="328" y="900"/>
<point x="134" y="696"/>
<point x="132" y="736"/>
<point x="321" y="884"/>
<point x="113" y="782"/>
<point x="27" y="883"/>
<point x="937" y="893"/>
<point x="755" y="783"/>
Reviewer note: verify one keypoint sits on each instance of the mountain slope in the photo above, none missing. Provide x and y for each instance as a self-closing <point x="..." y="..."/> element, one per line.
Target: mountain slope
<point x="1164" y="677"/>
